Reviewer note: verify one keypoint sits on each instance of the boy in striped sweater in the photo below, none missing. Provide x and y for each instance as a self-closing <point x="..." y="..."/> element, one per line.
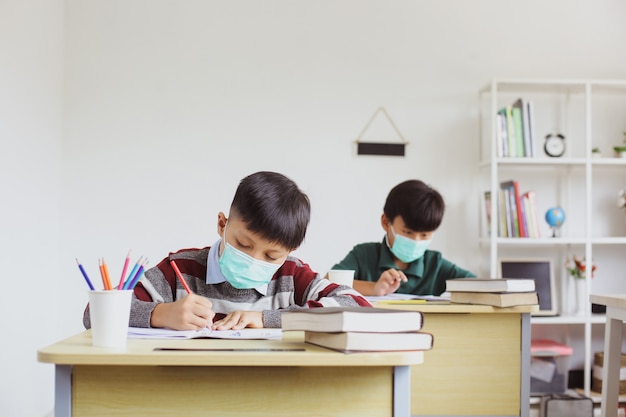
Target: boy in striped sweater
<point x="247" y="277"/>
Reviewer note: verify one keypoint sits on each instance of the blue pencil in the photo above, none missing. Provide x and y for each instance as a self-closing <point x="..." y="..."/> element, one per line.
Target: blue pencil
<point x="85" y="275"/>
<point x="136" y="279"/>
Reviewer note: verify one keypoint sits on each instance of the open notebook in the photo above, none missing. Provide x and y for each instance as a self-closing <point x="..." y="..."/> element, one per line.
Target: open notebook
<point x="151" y="333"/>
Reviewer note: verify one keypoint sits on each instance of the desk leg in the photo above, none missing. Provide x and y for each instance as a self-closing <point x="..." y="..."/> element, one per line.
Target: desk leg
<point x="63" y="391"/>
<point x="525" y="366"/>
<point x="611" y="364"/>
<point x="401" y="391"/>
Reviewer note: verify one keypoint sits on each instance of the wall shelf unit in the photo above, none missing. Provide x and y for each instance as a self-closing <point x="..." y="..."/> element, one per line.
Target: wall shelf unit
<point x="590" y="114"/>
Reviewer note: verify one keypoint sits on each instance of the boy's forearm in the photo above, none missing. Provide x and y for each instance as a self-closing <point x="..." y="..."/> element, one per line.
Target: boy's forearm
<point x="364" y="287"/>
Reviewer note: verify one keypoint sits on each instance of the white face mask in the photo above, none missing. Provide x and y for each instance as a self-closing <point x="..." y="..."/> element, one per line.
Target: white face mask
<point x="407" y="249"/>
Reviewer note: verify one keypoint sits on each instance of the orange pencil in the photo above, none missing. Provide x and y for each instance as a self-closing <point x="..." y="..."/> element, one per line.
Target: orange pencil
<point x="101" y="268"/>
<point x="107" y="284"/>
<point x="180" y="277"/>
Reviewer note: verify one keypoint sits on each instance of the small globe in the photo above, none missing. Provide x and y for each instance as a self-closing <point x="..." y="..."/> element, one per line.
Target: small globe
<point x="555" y="216"/>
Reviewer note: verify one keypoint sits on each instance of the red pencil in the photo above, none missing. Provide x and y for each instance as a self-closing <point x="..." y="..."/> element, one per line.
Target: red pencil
<point x="180" y="277"/>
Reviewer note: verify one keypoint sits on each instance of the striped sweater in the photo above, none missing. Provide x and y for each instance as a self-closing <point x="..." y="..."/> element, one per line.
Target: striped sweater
<point x="293" y="286"/>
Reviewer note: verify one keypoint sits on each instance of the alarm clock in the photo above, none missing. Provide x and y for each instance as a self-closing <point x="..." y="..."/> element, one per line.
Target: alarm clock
<point x="554" y="145"/>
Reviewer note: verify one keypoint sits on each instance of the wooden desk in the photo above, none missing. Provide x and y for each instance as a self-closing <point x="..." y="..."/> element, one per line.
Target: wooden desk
<point x="615" y="317"/>
<point x="479" y="364"/>
<point x="293" y="379"/>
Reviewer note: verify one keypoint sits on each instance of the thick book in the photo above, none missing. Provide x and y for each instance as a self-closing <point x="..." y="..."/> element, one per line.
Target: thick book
<point x="248" y="333"/>
<point x="490" y="285"/>
<point x="497" y="299"/>
<point x="370" y="341"/>
<point x="352" y="319"/>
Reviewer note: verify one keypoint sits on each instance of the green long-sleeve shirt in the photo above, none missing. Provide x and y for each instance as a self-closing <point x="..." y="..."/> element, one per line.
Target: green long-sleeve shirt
<point x="426" y="276"/>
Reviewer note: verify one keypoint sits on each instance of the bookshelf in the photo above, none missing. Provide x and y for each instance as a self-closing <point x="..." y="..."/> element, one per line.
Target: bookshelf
<point x="589" y="113"/>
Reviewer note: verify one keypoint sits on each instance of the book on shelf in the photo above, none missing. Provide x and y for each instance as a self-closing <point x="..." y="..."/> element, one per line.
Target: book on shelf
<point x="248" y="333"/>
<point x="511" y="190"/>
<point x="516" y="112"/>
<point x="370" y="341"/>
<point x="517" y="211"/>
<point x="490" y="285"/>
<point x="502" y="216"/>
<point x="510" y="131"/>
<point x="515" y="129"/>
<point x="352" y="319"/>
<point x="497" y="299"/>
<point x="487" y="210"/>
<point x="527" y="118"/>
<point x="501" y="132"/>
<point x="513" y="213"/>
<point x="531" y="214"/>
<point x="522" y="108"/>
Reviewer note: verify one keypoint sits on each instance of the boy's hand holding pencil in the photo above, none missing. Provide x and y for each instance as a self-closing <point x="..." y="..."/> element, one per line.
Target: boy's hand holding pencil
<point x="192" y="312"/>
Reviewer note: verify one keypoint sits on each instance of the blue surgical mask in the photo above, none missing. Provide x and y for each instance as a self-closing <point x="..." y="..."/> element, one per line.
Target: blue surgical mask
<point x="242" y="270"/>
<point x="407" y="249"/>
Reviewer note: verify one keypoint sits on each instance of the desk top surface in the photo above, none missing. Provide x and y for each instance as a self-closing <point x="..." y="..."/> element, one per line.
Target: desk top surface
<point x="290" y="351"/>
<point x="609" y="300"/>
<point x="447" y="307"/>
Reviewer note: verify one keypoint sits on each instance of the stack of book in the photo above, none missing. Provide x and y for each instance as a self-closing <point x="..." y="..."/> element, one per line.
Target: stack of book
<point x="358" y="329"/>
<point x="498" y="292"/>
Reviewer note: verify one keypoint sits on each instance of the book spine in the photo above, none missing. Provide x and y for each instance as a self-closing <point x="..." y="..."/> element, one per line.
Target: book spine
<point x="519" y="133"/>
<point x="502" y="214"/>
<point x="531" y="126"/>
<point x="504" y="135"/>
<point x="511" y="132"/>
<point x="519" y="208"/>
<point x="533" y="208"/>
<point x="526" y="127"/>
<point x="487" y="208"/>
<point x="528" y="216"/>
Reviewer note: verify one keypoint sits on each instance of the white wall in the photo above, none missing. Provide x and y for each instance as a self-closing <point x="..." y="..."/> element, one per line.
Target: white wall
<point x="31" y="90"/>
<point x="167" y="105"/>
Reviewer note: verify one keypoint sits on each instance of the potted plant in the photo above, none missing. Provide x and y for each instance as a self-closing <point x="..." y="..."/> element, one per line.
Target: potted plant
<point x="596" y="153"/>
<point x="620" y="151"/>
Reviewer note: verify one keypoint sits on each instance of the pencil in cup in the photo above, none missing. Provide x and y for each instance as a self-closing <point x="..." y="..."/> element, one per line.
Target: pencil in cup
<point x="82" y="270"/>
<point x="129" y="278"/>
<point x="107" y="277"/>
<point x="120" y="286"/>
<point x="138" y="275"/>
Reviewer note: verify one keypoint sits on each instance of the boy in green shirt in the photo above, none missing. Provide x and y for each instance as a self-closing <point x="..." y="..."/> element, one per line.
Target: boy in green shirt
<point x="402" y="262"/>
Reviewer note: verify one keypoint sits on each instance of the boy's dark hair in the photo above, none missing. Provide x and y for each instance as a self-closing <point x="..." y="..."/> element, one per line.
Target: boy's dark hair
<point x="272" y="206"/>
<point x="420" y="206"/>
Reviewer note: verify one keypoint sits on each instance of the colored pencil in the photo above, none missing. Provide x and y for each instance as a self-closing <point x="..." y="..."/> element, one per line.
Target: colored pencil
<point x="107" y="277"/>
<point x="82" y="270"/>
<point x="101" y="268"/>
<point x="121" y="284"/>
<point x="133" y="271"/>
<point x="138" y="275"/>
<point x="180" y="276"/>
